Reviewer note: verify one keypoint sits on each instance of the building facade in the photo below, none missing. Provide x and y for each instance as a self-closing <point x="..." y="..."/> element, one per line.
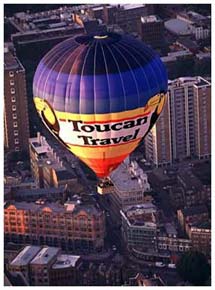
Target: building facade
<point x="16" y="123"/>
<point x="46" y="266"/>
<point x="151" y="30"/>
<point x="184" y="127"/>
<point x="200" y="236"/>
<point x="72" y="226"/>
<point x="129" y="186"/>
<point x="46" y="167"/>
<point x="139" y="227"/>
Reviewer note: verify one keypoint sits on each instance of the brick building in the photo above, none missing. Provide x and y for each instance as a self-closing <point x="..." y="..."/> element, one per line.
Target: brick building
<point x="16" y="123"/>
<point x="72" y="226"/>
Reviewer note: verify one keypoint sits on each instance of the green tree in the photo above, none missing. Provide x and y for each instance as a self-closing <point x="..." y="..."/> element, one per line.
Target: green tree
<point x="194" y="268"/>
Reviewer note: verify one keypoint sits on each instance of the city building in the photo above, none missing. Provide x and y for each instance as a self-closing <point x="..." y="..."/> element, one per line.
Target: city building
<point x="178" y="27"/>
<point x="195" y="221"/>
<point x="202" y="109"/>
<point x="107" y="13"/>
<point x="158" y="141"/>
<point x="73" y="226"/>
<point x="40" y="266"/>
<point x="129" y="186"/>
<point x="175" y="245"/>
<point x="46" y="266"/>
<point x="66" y="271"/>
<point x="151" y="30"/>
<point x="184" y="123"/>
<point x="176" y="196"/>
<point x="140" y="227"/>
<point x="190" y="215"/>
<point x="21" y="262"/>
<point x="194" y="193"/>
<point x="128" y="16"/>
<point x="200" y="236"/>
<point x="46" y="167"/>
<point x="16" y="123"/>
<point x="51" y="194"/>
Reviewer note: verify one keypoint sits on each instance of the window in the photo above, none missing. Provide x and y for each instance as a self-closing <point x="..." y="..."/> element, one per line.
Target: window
<point x="16" y="141"/>
<point x="13" y="107"/>
<point x="12" y="82"/>
<point x="11" y="74"/>
<point x="15" y="133"/>
<point x="16" y="148"/>
<point x="14" y="116"/>
<point x="13" y="99"/>
<point x="12" y="90"/>
<point x="15" y="124"/>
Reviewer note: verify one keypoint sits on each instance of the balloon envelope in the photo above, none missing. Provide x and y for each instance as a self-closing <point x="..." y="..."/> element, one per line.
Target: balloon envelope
<point x="100" y="96"/>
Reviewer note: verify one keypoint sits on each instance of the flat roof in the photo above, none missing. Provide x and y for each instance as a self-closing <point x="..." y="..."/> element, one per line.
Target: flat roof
<point x="189" y="180"/>
<point x="170" y="229"/>
<point x="45" y="255"/>
<point x="141" y="214"/>
<point x="11" y="62"/>
<point x="25" y="256"/>
<point x="123" y="181"/>
<point x="177" y="26"/>
<point x="150" y="19"/>
<point x="65" y="261"/>
<point x="194" y="210"/>
<point x="132" y="6"/>
<point x="40" y="191"/>
<point x="202" y="82"/>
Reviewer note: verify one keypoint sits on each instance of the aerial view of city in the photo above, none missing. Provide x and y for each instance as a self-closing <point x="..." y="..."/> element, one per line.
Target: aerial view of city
<point x="107" y="144"/>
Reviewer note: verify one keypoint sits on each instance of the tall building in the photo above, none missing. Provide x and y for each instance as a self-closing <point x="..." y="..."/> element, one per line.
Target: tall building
<point x="158" y="140"/>
<point x="184" y="127"/>
<point x="128" y="186"/>
<point x="128" y="16"/>
<point x="16" y="123"/>
<point x="202" y="108"/>
<point x="73" y="226"/>
<point x="151" y="30"/>
<point x="46" y="167"/>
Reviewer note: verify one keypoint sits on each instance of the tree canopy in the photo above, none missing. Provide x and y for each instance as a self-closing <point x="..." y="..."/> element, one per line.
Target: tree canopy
<point x="193" y="267"/>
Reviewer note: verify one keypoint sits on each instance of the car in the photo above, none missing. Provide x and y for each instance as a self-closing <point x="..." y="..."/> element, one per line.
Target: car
<point x="160" y="264"/>
<point x="172" y="266"/>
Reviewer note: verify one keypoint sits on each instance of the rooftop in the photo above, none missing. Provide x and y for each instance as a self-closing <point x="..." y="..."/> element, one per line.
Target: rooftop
<point x="202" y="225"/>
<point x="187" y="42"/>
<point x="39" y="191"/>
<point x="150" y="19"/>
<point x="189" y="181"/>
<point x="132" y="6"/>
<point x="125" y="182"/>
<point x="25" y="256"/>
<point x="64" y="174"/>
<point x="65" y="261"/>
<point x="74" y="207"/>
<point x="46" y="155"/>
<point x="202" y="82"/>
<point x="182" y="81"/>
<point x="170" y="229"/>
<point x="141" y="215"/>
<point x="177" y="26"/>
<point x="45" y="255"/>
<point x="11" y="62"/>
<point x="194" y="210"/>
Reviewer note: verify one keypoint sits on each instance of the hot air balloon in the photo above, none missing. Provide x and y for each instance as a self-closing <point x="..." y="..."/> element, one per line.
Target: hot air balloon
<point x="100" y="96"/>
